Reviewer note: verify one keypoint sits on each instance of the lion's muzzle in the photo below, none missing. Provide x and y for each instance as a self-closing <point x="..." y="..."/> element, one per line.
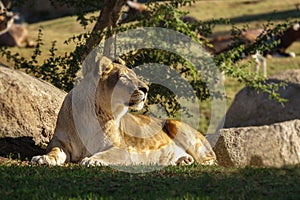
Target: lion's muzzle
<point x="138" y="98"/>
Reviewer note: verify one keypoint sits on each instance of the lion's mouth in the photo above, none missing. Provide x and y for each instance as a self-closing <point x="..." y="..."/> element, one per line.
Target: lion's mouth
<point x="134" y="101"/>
<point x="136" y="98"/>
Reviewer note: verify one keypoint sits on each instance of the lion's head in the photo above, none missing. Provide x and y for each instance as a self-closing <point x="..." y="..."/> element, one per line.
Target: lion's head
<point x="119" y="89"/>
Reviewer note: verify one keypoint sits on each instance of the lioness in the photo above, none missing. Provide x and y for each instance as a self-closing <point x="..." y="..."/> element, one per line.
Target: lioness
<point x="122" y="138"/>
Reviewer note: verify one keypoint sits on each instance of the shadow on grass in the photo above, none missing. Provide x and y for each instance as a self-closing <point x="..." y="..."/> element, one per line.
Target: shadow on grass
<point x="170" y="183"/>
<point x="19" y="148"/>
<point x="276" y="15"/>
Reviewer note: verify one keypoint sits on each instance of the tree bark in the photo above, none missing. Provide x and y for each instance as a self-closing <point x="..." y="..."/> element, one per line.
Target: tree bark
<point x="108" y="18"/>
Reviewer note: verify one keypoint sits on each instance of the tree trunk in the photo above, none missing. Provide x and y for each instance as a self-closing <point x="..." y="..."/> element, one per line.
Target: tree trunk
<point x="108" y="18"/>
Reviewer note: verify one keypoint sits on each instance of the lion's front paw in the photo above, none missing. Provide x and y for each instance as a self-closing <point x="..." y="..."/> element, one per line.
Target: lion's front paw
<point x="185" y="160"/>
<point x="210" y="162"/>
<point x="90" y="161"/>
<point x="43" y="160"/>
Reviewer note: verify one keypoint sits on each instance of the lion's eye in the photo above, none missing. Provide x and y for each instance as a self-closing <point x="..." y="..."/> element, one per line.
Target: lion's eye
<point x="124" y="76"/>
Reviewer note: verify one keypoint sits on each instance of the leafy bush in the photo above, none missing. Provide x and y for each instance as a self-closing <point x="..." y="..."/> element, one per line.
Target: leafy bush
<point x="61" y="70"/>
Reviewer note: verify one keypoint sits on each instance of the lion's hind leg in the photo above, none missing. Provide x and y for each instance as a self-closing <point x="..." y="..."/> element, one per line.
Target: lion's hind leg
<point x="185" y="160"/>
<point x="193" y="142"/>
<point x="169" y="155"/>
<point x="181" y="157"/>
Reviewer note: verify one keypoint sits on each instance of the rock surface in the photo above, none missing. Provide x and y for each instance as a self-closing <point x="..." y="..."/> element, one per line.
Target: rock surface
<point x="250" y="108"/>
<point x="275" y="145"/>
<point x="28" y="113"/>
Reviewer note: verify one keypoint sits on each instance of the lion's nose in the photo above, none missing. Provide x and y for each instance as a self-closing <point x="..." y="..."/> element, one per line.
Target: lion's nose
<point x="144" y="89"/>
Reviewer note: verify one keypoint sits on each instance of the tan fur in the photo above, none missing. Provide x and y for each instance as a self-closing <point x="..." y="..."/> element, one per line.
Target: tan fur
<point x="127" y="139"/>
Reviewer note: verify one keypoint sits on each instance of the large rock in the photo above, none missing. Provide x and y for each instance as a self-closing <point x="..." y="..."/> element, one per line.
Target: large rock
<point x="250" y="108"/>
<point x="275" y="145"/>
<point x="29" y="108"/>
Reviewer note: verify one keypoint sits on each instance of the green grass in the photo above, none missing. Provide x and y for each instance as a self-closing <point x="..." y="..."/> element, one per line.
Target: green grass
<point x="193" y="182"/>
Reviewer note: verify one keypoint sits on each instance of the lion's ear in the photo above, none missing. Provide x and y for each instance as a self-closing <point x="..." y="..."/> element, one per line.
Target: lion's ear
<point x="104" y="64"/>
<point x="120" y="61"/>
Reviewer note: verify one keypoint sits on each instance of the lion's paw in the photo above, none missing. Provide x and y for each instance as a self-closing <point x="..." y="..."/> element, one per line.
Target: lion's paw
<point x="185" y="160"/>
<point x="90" y="161"/>
<point x="43" y="160"/>
<point x="210" y="162"/>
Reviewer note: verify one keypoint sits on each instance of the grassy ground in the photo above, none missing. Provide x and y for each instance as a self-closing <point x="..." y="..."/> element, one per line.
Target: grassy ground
<point x="192" y="182"/>
<point x="195" y="182"/>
